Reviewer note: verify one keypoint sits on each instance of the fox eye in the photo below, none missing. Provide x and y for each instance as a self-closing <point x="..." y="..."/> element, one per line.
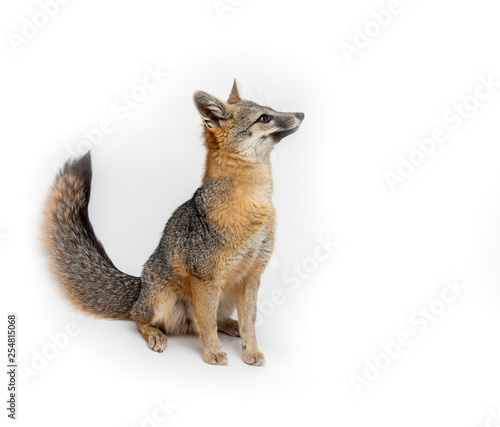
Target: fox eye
<point x="264" y="118"/>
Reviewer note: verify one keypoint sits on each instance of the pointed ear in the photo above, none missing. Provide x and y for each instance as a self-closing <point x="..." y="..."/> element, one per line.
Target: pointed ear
<point x="235" y="95"/>
<point x="211" y="109"/>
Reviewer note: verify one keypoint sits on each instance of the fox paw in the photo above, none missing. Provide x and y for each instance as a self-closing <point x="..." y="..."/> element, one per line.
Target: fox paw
<point x="157" y="342"/>
<point x="253" y="357"/>
<point x="230" y="327"/>
<point x="215" y="358"/>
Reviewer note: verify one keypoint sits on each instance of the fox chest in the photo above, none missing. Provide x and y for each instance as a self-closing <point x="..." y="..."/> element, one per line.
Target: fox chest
<point x="253" y="255"/>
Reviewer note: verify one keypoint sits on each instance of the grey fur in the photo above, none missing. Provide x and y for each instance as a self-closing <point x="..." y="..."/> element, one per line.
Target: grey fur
<point x="213" y="249"/>
<point x="78" y="258"/>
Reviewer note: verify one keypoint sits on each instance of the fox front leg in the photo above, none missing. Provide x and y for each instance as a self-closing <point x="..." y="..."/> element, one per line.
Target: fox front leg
<point x="205" y="304"/>
<point x="246" y="305"/>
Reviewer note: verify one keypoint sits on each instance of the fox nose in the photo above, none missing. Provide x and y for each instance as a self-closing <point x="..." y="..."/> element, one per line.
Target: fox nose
<point x="300" y="116"/>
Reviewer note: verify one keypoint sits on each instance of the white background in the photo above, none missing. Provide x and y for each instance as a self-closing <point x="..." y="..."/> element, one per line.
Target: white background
<point x="396" y="248"/>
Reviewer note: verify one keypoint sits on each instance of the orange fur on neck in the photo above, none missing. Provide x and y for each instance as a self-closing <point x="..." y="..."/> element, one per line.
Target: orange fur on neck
<point x="248" y="203"/>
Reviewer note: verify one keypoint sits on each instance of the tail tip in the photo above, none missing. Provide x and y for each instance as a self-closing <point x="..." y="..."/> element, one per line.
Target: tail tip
<point x="81" y="166"/>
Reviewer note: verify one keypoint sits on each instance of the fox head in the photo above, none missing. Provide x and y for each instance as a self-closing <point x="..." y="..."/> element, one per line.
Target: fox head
<point x="243" y="128"/>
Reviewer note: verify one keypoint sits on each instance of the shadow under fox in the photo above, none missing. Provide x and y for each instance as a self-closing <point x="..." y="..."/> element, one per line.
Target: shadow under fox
<point x="213" y="249"/>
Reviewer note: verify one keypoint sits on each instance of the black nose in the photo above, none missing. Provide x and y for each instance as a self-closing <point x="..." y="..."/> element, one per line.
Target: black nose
<point x="300" y="116"/>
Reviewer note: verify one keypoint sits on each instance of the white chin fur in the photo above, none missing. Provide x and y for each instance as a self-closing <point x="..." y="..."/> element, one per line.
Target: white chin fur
<point x="256" y="148"/>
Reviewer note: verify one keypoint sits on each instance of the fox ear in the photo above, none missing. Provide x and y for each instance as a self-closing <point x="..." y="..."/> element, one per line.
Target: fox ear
<point x="211" y="109"/>
<point x="234" y="95"/>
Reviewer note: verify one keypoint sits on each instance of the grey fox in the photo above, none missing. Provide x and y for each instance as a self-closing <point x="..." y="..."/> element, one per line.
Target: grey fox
<point x="213" y="249"/>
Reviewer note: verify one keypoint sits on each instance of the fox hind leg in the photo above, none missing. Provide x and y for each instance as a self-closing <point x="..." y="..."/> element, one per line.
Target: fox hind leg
<point x="155" y="338"/>
<point x="224" y="323"/>
<point x="229" y="327"/>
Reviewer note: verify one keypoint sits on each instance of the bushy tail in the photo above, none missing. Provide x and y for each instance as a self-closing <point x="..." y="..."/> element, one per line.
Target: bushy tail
<point x="87" y="275"/>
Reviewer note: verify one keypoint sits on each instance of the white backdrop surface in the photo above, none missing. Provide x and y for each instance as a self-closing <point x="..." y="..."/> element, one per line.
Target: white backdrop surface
<point x="381" y="305"/>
